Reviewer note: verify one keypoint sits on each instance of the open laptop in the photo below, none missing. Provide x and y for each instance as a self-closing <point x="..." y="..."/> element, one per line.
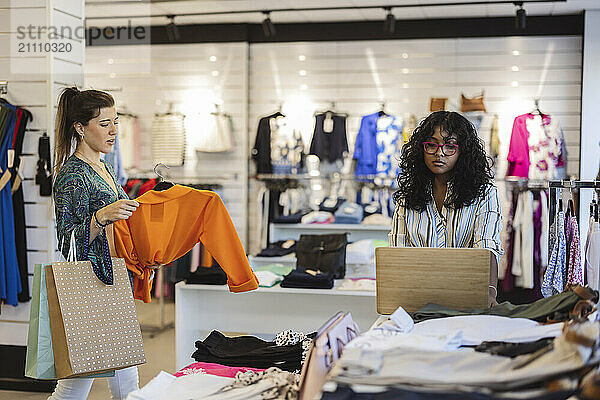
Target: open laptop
<point x="411" y="277"/>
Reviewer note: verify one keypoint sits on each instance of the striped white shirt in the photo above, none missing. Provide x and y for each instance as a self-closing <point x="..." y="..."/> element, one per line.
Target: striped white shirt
<point x="476" y="226"/>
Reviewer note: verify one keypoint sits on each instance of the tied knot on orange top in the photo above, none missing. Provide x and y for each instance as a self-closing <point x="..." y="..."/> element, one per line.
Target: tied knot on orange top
<point x="168" y="224"/>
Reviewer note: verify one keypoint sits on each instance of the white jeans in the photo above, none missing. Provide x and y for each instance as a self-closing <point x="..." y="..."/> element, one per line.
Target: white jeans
<point x="125" y="381"/>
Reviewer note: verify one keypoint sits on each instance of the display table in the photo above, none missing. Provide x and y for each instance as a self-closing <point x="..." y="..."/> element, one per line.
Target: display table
<point x="201" y="308"/>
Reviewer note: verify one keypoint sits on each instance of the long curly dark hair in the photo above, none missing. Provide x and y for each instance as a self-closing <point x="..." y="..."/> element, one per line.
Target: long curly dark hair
<point x="470" y="176"/>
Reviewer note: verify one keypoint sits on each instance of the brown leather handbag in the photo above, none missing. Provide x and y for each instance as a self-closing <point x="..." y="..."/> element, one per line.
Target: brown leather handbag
<point x="437" y="104"/>
<point x="472" y="104"/>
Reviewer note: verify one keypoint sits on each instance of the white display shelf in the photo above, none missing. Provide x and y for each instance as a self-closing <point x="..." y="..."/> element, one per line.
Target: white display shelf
<point x="260" y="261"/>
<point x="355" y="231"/>
<point x="202" y="308"/>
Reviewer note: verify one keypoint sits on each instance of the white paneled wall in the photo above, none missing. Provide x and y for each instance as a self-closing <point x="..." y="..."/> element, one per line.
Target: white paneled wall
<point x="189" y="79"/>
<point x="34" y="81"/>
<point x="406" y="73"/>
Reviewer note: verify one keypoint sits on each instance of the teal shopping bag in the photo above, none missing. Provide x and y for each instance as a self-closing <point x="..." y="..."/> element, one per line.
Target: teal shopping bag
<point x="39" y="361"/>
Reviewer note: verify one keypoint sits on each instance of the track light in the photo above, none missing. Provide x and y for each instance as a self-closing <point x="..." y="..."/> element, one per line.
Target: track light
<point x="520" y="16"/>
<point x="172" y="29"/>
<point x="389" y="25"/>
<point x="267" y="25"/>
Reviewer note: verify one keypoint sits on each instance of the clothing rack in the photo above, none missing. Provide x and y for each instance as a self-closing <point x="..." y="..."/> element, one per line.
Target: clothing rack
<point x="525" y="184"/>
<point x="555" y="186"/>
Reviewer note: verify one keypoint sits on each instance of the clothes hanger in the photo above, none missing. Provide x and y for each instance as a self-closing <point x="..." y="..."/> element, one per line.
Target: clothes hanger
<point x="162" y="185"/>
<point x="382" y="112"/>
<point x="536" y="110"/>
<point x="331" y="110"/>
<point x="560" y="200"/>
<point x="570" y="205"/>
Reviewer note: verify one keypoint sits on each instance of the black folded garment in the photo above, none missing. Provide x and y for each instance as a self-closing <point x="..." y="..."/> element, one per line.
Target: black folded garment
<point x="295" y="218"/>
<point x="299" y="278"/>
<point x="208" y="276"/>
<point x="331" y="205"/>
<point x="509" y="349"/>
<point x="371" y="208"/>
<point x="247" y="351"/>
<point x="278" y="249"/>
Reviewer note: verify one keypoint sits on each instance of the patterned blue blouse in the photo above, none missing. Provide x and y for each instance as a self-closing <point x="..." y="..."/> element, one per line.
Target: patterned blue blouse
<point x="78" y="192"/>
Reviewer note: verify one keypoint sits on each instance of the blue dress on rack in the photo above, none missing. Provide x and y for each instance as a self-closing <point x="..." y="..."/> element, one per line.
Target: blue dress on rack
<point x="10" y="281"/>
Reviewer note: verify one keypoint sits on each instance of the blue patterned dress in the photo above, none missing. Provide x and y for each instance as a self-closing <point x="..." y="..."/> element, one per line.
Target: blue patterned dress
<point x="555" y="275"/>
<point x="78" y="192"/>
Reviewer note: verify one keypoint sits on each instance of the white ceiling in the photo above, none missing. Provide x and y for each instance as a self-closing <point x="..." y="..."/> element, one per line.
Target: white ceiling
<point x="111" y="8"/>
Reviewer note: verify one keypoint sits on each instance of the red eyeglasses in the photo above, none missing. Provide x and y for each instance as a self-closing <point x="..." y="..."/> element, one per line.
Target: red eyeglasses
<point x="448" y="149"/>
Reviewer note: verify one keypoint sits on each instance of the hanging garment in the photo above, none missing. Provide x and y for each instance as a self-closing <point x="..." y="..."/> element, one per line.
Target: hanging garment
<point x="114" y="159"/>
<point x="287" y="147"/>
<point x="477" y="225"/>
<point x="544" y="235"/>
<point x="378" y="142"/>
<point x="592" y="255"/>
<point x="217" y="137"/>
<point x="23" y="117"/>
<point x="556" y="273"/>
<point x="482" y="122"/>
<point x="536" y="148"/>
<point x="495" y="138"/>
<point x="536" y="292"/>
<point x="129" y="144"/>
<point x="43" y="171"/>
<point x="168" y="224"/>
<point x="10" y="282"/>
<point x="522" y="262"/>
<point x="261" y="152"/>
<point x="168" y="139"/>
<point x="574" y="269"/>
<point x="329" y="145"/>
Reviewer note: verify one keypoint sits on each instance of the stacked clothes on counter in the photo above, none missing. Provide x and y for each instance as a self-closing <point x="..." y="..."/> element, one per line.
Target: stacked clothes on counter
<point x="302" y="278"/>
<point x="279" y="249"/>
<point x="479" y="355"/>
<point x="207" y="384"/>
<point x="271" y="274"/>
<point x="285" y="352"/>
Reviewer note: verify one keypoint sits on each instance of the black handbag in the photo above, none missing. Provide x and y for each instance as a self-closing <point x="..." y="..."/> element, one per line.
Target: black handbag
<point x="326" y="253"/>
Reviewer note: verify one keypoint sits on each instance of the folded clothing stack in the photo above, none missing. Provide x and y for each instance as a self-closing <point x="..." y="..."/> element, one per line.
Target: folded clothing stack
<point x="208" y="275"/>
<point x="213" y="369"/>
<point x="318" y="217"/>
<point x="278" y="249"/>
<point x="307" y="279"/>
<point x="331" y="205"/>
<point x="294" y="218"/>
<point x="250" y="351"/>
<point x="349" y="213"/>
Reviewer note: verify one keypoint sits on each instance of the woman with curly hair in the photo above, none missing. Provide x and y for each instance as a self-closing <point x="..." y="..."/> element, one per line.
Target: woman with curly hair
<point x="446" y="197"/>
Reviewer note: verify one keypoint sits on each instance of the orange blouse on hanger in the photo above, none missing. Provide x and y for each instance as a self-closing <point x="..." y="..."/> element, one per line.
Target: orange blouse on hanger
<point x="168" y="224"/>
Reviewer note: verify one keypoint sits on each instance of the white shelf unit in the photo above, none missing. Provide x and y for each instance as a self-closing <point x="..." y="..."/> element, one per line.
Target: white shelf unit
<point x="201" y="308"/>
<point x="355" y="231"/>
